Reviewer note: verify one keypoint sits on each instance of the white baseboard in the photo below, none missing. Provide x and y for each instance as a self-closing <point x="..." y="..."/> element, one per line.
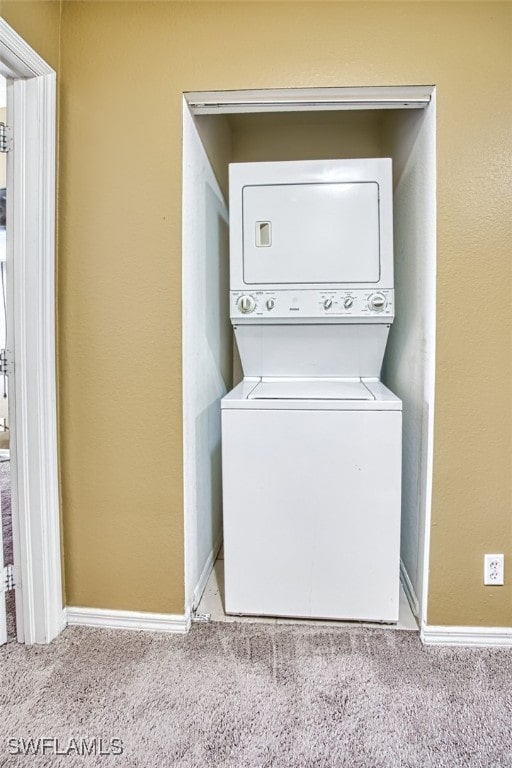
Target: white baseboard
<point x="134" y="620"/>
<point x="467" y="636"/>
<point x="205" y="574"/>
<point x="409" y="590"/>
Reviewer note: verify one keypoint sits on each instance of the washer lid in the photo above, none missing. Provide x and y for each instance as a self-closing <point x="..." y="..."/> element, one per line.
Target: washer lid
<point x="310" y="389"/>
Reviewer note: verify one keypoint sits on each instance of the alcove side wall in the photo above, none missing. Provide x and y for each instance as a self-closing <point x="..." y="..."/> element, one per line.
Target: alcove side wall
<point x="409" y="138"/>
<point x="207" y="347"/>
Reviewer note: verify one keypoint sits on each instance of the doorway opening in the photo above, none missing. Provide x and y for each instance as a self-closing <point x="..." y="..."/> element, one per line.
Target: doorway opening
<point x="306" y="124"/>
<point x="5" y="468"/>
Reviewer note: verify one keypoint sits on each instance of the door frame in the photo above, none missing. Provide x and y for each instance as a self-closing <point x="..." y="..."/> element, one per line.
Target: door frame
<point x="31" y="172"/>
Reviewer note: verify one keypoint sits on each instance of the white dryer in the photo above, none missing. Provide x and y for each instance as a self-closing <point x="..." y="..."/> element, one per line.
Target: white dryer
<point x="311" y="439"/>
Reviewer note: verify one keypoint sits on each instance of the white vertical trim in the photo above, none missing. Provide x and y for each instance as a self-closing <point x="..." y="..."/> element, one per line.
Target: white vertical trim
<point x="409" y="590"/>
<point x="31" y="326"/>
<point x="205" y="575"/>
<point x="430" y="375"/>
<point x="188" y="368"/>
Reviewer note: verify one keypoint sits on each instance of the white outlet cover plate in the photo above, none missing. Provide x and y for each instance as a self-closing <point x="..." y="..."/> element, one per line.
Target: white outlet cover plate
<point x="494" y="570"/>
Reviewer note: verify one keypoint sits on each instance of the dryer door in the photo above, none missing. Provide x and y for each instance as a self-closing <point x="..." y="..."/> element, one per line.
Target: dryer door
<point x="311" y="233"/>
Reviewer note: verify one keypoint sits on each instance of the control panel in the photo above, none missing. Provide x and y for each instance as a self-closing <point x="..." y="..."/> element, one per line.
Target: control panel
<point x="289" y="305"/>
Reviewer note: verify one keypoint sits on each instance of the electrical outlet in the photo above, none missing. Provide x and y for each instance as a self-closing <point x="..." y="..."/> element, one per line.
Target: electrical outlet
<point x="494" y="567"/>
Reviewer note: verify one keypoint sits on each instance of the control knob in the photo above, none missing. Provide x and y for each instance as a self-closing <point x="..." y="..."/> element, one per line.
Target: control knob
<point x="270" y="303"/>
<point x="327" y="303"/>
<point x="348" y="301"/>
<point x="377" y="302"/>
<point x="246" y="304"/>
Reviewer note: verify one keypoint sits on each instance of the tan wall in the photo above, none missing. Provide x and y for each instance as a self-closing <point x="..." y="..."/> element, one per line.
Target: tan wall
<point x="306" y="136"/>
<point x="38" y="22"/>
<point x="124" y="67"/>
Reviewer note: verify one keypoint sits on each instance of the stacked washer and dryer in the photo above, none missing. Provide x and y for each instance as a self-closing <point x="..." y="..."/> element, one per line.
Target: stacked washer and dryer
<point x="311" y="438"/>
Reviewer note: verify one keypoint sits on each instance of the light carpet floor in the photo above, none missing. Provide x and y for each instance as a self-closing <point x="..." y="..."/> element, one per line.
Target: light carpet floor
<point x="260" y="695"/>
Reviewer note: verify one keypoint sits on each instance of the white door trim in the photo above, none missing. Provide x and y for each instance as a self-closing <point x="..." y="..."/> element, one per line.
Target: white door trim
<point x="31" y="100"/>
